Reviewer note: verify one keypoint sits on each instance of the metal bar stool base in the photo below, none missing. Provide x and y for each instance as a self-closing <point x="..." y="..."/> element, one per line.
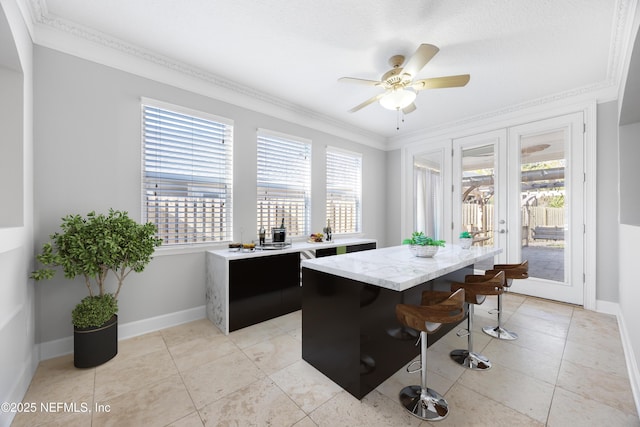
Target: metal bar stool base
<point x="500" y="333"/>
<point x="472" y="360"/>
<point x="428" y="406"/>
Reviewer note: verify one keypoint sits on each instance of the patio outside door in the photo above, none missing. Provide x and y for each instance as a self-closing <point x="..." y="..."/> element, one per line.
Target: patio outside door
<point x="521" y="189"/>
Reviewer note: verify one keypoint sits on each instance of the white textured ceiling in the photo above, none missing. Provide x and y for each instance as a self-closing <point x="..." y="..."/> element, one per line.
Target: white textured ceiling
<point x="516" y="51"/>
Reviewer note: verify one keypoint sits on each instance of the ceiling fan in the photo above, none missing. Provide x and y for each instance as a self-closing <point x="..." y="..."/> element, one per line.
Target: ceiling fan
<point x="399" y="83"/>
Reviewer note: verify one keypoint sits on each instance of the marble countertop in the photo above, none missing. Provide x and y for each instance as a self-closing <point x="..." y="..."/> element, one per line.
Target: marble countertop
<point x="295" y="247"/>
<point x="396" y="268"/>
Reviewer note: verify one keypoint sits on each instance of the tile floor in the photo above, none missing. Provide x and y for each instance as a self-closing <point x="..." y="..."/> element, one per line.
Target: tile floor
<point x="566" y="369"/>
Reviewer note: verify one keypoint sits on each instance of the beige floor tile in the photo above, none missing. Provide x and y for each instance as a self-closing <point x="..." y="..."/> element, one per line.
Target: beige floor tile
<point x="189" y="331"/>
<point x="520" y="392"/>
<point x="394" y="384"/>
<point x="63" y="418"/>
<point x="440" y="362"/>
<point x="260" y="404"/>
<point x="610" y="389"/>
<point x="143" y="387"/>
<point x="601" y="335"/>
<point x="552" y="311"/>
<point x="539" y="341"/>
<point x="141" y="345"/>
<point x="156" y="404"/>
<point x="57" y="381"/>
<point x="198" y="351"/>
<point x="216" y="379"/>
<point x="601" y="358"/>
<point x="123" y="374"/>
<point x="520" y="321"/>
<point x="305" y="422"/>
<point x="535" y="363"/>
<point x="252" y="335"/>
<point x="570" y="409"/>
<point x="275" y="353"/>
<point x="191" y="420"/>
<point x="469" y="408"/>
<point x="305" y="385"/>
<point x="288" y="322"/>
<point x="374" y="409"/>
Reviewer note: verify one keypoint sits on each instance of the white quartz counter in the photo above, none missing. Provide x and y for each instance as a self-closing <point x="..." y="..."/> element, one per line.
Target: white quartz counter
<point x="295" y="247"/>
<point x="396" y="267"/>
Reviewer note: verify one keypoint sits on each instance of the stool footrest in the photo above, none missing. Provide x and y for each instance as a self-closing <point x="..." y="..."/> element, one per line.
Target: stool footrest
<point x="500" y="333"/>
<point x="414" y="370"/>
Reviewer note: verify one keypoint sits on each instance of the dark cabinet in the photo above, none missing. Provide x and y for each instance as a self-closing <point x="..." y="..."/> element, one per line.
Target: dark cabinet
<point x="268" y="286"/>
<point x="262" y="288"/>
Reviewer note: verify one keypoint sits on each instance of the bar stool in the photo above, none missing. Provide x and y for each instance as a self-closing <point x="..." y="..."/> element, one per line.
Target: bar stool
<point x="476" y="289"/>
<point x="511" y="271"/>
<point x="438" y="308"/>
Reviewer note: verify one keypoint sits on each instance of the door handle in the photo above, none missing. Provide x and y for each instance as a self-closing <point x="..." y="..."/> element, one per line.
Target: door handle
<point x="502" y="231"/>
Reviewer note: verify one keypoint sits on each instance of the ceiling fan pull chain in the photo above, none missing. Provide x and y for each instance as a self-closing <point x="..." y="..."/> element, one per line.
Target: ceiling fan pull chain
<point x="398" y="119"/>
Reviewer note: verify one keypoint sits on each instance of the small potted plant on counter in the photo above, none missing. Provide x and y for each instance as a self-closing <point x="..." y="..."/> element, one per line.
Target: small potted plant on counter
<point x="423" y="246"/>
<point x="466" y="239"/>
<point x="90" y="247"/>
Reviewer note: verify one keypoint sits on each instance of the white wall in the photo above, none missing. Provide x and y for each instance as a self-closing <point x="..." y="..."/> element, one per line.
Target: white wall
<point x="87" y="157"/>
<point x="18" y="352"/>
<point x="629" y="236"/>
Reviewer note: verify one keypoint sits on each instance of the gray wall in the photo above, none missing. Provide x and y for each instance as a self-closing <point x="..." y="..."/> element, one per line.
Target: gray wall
<point x="88" y="157"/>
<point x="607" y="203"/>
<point x="394" y="190"/>
<point x="629" y="174"/>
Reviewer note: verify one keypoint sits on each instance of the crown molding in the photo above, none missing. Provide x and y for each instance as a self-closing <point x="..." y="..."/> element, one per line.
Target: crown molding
<point x="69" y="37"/>
<point x="54" y="32"/>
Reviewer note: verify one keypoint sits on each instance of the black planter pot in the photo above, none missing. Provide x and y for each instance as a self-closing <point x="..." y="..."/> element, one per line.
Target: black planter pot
<point x="95" y="346"/>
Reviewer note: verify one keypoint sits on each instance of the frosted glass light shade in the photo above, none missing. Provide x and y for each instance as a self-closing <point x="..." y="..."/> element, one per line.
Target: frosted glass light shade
<point x="398" y="99"/>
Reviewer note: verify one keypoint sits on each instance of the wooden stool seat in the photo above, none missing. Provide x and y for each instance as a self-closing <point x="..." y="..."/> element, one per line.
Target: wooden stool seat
<point x="438" y="308"/>
<point x="476" y="288"/>
<point x="511" y="271"/>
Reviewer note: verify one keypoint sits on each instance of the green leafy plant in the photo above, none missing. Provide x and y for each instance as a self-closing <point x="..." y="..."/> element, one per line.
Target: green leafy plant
<point x="466" y="235"/>
<point x="418" y="238"/>
<point x="91" y="247"/>
<point x="94" y="311"/>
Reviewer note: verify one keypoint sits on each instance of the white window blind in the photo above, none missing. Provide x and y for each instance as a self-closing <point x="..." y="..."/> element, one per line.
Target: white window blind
<point x="187" y="175"/>
<point x="344" y="191"/>
<point x="284" y="183"/>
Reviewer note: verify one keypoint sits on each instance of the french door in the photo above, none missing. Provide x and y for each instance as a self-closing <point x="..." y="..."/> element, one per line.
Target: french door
<point x="522" y="189"/>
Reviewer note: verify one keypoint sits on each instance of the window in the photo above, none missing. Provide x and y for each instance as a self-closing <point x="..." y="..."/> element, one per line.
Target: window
<point x="187" y="174"/>
<point x="344" y="189"/>
<point x="284" y="183"/>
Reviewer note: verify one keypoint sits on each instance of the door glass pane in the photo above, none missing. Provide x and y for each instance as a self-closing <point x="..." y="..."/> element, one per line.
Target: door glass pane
<point x="478" y="202"/>
<point x="543" y="204"/>
<point x="427" y="172"/>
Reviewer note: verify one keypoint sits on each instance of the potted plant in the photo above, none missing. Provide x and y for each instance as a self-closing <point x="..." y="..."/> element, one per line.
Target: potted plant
<point x="91" y="247"/>
<point x="466" y="239"/>
<point x="423" y="246"/>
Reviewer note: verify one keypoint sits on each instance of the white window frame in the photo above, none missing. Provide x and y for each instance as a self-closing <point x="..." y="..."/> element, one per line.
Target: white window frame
<point x="283" y="181"/>
<point x="194" y="204"/>
<point x="344" y="190"/>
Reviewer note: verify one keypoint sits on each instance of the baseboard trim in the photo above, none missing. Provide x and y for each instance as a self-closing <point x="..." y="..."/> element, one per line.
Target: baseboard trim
<point x="630" y="358"/>
<point x="63" y="346"/>
<point x="613" y="308"/>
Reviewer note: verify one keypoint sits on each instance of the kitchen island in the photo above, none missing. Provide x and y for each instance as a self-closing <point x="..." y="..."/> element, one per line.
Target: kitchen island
<point x="249" y="287"/>
<point x="349" y="328"/>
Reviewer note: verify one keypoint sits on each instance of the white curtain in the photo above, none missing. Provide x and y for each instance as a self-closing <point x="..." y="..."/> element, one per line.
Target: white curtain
<point x="428" y="199"/>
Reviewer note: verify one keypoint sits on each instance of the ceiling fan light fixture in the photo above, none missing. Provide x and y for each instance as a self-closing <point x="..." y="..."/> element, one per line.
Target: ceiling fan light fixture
<point x="398" y="99"/>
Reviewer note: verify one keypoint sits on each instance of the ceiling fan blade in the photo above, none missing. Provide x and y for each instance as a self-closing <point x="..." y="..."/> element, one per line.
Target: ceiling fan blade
<point x="360" y="81"/>
<point x="441" y="82"/>
<point x="422" y="55"/>
<point x="409" y="108"/>
<point x="369" y="101"/>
